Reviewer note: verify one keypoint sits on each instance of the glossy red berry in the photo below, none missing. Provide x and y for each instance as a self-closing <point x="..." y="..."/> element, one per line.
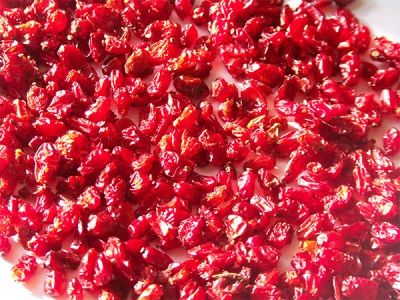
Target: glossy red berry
<point x="125" y="147"/>
<point x="56" y="283"/>
<point x="25" y="268"/>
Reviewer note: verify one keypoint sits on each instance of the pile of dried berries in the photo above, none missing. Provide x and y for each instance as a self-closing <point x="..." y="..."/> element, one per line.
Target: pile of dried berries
<point x="87" y="187"/>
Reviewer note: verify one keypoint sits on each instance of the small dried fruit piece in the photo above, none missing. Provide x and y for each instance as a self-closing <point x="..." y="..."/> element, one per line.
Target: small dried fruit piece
<point x="391" y="141"/>
<point x="269" y="74"/>
<point x="351" y="68"/>
<point x="137" y="62"/>
<point x="156" y="258"/>
<point x="280" y="234"/>
<point x="152" y="291"/>
<point x="131" y="188"/>
<point x="74" y="289"/>
<point x="386" y="232"/>
<point x="102" y="271"/>
<point x="5" y="245"/>
<point x="331" y="239"/>
<point x="25" y="268"/>
<point x="47" y="160"/>
<point x="191" y="86"/>
<point x="384" y="78"/>
<point x="190" y="231"/>
<point x="56" y="283"/>
<point x="359" y="288"/>
<point x="263" y="257"/>
<point x="71" y="57"/>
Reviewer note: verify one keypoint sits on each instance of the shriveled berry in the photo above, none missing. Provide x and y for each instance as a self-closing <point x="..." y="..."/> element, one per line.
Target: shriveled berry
<point x="74" y="289"/>
<point x="191" y="87"/>
<point x="5" y="245"/>
<point x="331" y="239"/>
<point x="153" y="291"/>
<point x="40" y="245"/>
<point x="71" y="57"/>
<point x="103" y="222"/>
<point x="114" y="250"/>
<point x="60" y="260"/>
<point x="190" y="232"/>
<point x="89" y="199"/>
<point x="269" y="74"/>
<point x="383" y="79"/>
<point x="263" y="258"/>
<point x="391" y="141"/>
<point x="155" y="257"/>
<point x="359" y="288"/>
<point x="47" y="160"/>
<point x="280" y="234"/>
<point x="143" y="171"/>
<point x="137" y="62"/>
<point x="102" y="271"/>
<point x="56" y="283"/>
<point x="385" y="232"/>
<point x="24" y="269"/>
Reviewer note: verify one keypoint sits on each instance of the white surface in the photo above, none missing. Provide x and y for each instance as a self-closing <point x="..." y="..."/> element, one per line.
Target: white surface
<point x="382" y="17"/>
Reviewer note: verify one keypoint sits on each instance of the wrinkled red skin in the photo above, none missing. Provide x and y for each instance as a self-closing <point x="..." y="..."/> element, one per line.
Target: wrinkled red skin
<point x="130" y="191"/>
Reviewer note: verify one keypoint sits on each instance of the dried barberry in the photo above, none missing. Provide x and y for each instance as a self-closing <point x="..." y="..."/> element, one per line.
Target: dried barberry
<point x="149" y="157"/>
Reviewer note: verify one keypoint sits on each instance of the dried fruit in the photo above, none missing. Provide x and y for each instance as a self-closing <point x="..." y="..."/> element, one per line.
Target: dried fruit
<point x="359" y="288"/>
<point x="24" y="269"/>
<point x="113" y="173"/>
<point x="56" y="283"/>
